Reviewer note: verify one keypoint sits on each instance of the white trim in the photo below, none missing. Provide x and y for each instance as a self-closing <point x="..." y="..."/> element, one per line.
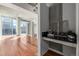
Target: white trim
<point x="77" y="15"/>
<point x="39" y="32"/>
<point x="56" y="51"/>
<point x="61" y="42"/>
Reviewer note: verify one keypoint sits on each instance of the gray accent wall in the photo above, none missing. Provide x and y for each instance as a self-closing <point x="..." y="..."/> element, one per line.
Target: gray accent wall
<point x="69" y="14"/>
<point x="55" y="17"/>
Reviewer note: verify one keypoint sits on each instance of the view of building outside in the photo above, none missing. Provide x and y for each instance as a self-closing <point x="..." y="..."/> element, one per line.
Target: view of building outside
<point x="8" y="26"/>
<point x="24" y="27"/>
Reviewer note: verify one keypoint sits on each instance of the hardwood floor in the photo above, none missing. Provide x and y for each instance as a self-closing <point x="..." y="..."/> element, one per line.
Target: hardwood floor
<point x="51" y="53"/>
<point x="17" y="46"/>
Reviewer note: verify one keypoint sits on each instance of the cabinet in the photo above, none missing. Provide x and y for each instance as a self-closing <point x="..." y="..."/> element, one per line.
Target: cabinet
<point x="68" y="49"/>
<point x="62" y="17"/>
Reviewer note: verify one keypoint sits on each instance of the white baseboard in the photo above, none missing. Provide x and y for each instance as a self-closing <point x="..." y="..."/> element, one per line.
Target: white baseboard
<point x="56" y="51"/>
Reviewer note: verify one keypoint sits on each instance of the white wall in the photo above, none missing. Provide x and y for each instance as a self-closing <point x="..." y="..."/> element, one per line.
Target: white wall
<point x="44" y="24"/>
<point x="69" y="13"/>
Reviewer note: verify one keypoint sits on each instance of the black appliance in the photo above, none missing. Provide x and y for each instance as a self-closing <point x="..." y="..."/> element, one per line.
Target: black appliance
<point x="71" y="37"/>
<point x="64" y="36"/>
<point x="44" y="34"/>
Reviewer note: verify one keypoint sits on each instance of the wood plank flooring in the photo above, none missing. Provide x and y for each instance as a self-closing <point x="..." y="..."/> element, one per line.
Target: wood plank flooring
<point x="17" y="46"/>
<point x="51" y="53"/>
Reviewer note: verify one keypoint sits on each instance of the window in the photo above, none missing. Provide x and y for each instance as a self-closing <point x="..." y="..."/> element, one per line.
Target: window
<point x="8" y="25"/>
<point x="24" y="27"/>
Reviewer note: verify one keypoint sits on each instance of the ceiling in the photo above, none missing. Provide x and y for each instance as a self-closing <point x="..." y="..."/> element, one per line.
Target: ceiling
<point x="29" y="6"/>
<point x="19" y="10"/>
<point x="33" y="7"/>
